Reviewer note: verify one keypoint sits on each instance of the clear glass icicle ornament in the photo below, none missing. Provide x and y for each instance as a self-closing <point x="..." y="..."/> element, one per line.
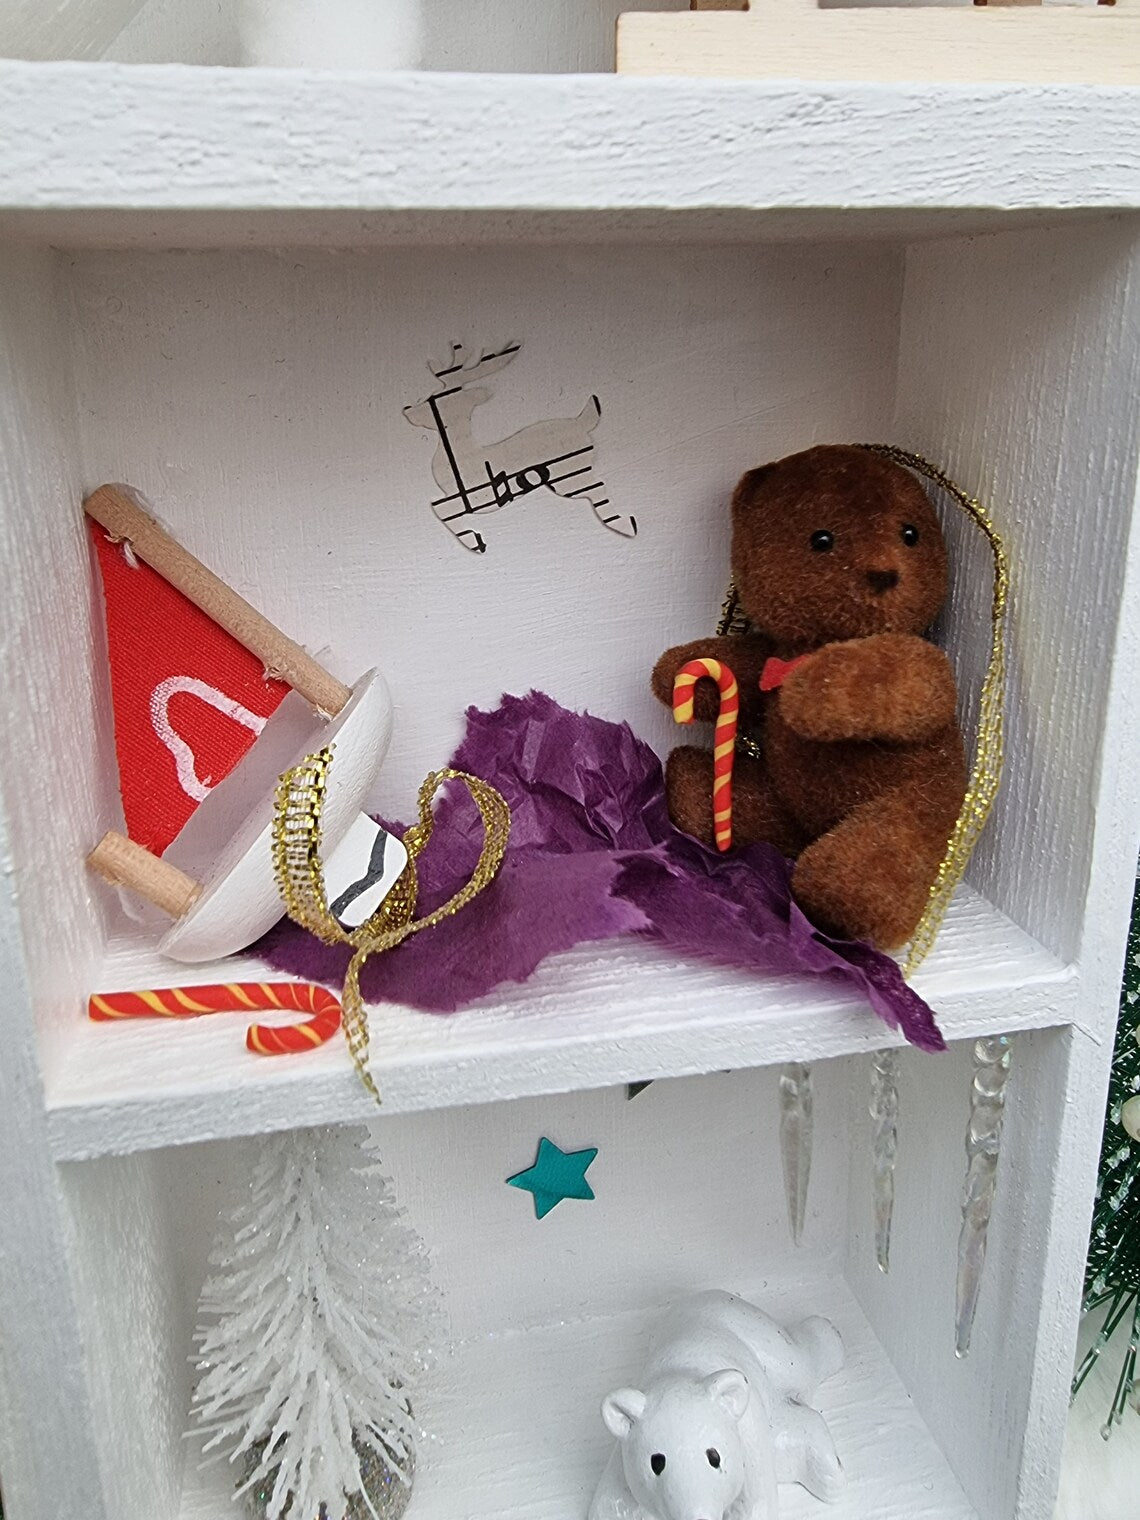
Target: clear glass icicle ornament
<point x="796" y="1140"/>
<point x="983" y="1148"/>
<point x="884" y="1148"/>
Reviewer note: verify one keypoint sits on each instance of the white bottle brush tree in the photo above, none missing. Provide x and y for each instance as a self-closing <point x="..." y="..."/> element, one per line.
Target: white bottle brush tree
<point x="313" y="1328"/>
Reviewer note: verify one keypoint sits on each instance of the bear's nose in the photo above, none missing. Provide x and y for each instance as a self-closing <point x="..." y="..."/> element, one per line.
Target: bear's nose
<point x="882" y="580"/>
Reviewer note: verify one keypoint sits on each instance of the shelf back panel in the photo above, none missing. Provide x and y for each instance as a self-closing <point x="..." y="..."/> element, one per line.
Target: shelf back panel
<point x="257" y="401"/>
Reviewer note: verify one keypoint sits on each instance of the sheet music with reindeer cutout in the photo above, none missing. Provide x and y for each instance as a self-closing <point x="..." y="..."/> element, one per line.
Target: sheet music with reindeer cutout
<point x="476" y="478"/>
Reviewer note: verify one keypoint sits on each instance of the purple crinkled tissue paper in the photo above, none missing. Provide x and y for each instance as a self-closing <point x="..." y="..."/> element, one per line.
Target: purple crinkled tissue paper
<point x="592" y="855"/>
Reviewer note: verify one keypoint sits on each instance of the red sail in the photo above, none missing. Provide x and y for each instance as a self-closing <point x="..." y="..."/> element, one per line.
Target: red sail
<point x="189" y="700"/>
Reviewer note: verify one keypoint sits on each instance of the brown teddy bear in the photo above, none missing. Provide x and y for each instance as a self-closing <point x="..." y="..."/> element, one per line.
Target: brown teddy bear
<point x="856" y="765"/>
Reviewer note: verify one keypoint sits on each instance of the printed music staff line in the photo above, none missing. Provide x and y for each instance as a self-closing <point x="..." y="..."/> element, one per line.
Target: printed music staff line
<point x="478" y="478"/>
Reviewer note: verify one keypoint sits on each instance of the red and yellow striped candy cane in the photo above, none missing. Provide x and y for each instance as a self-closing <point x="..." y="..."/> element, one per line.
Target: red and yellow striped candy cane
<point x="724" y="737"/>
<point x="230" y="997"/>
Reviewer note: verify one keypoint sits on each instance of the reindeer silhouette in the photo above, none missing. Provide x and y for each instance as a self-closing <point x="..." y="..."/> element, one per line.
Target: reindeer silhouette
<point x="482" y="477"/>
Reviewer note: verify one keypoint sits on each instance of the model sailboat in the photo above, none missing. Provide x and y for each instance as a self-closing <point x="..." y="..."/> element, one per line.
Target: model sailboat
<point x="212" y="704"/>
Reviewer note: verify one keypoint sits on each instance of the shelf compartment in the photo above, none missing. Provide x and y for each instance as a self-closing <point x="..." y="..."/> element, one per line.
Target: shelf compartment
<point x="537" y="1448"/>
<point x="594" y="1017"/>
<point x="546" y="1315"/>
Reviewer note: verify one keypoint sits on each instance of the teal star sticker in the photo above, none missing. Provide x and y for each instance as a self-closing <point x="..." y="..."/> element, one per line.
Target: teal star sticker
<point x="554" y="1176"/>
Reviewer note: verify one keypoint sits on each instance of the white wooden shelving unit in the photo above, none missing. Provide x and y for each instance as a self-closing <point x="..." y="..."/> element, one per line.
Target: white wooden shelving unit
<point x="222" y="286"/>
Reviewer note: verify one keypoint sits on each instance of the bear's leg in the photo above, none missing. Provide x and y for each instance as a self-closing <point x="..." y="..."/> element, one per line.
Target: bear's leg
<point x="822" y="1347"/>
<point x="612" y="1499"/>
<point x="757" y="814"/>
<point x="805" y="1453"/>
<point x="869" y="877"/>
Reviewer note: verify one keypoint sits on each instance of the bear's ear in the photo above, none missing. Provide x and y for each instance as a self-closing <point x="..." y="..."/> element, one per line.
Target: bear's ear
<point x="747" y="485"/>
<point x="622" y="1410"/>
<point x="729" y="1388"/>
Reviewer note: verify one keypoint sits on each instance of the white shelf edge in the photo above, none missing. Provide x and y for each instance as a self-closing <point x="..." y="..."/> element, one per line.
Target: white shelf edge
<point x="76" y="137"/>
<point x="596" y="1017"/>
<point x="536" y="1450"/>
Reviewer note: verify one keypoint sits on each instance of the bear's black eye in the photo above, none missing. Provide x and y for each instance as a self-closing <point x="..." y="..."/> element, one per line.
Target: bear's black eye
<point x="822" y="541"/>
<point x="657" y="1462"/>
<point x="909" y="535"/>
<point x="713" y="1456"/>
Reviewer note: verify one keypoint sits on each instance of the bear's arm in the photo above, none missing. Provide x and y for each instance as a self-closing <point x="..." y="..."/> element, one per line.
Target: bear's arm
<point x="891" y="686"/>
<point x="744" y="656"/>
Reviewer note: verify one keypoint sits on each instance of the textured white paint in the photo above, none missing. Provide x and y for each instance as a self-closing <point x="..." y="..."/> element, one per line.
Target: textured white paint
<point x="596" y="1016"/>
<point x="120" y="1252"/>
<point x="978" y="1405"/>
<point x="473" y="155"/>
<point x="47" y="930"/>
<point x="535" y="1450"/>
<point x="1028" y="398"/>
<point x="552" y="1381"/>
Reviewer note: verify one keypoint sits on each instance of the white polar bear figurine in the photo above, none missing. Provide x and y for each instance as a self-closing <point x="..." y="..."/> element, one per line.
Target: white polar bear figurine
<point x="719" y="1419"/>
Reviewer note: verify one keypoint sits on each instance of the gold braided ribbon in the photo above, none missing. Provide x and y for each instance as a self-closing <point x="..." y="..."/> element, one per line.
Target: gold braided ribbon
<point x="985" y="771"/>
<point x="300" y="877"/>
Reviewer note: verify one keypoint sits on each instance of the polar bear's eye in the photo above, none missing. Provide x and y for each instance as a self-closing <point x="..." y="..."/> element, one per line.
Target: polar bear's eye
<point x="822" y="541"/>
<point x="657" y="1462"/>
<point x="713" y="1456"/>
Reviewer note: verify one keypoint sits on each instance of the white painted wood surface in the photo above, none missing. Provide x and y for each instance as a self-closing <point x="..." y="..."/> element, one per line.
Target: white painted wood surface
<point x="597" y="1016"/>
<point x="255" y="154"/>
<point x="49" y="931"/>
<point x="255" y="394"/>
<point x="970" y="388"/>
<point x="536" y="1451"/>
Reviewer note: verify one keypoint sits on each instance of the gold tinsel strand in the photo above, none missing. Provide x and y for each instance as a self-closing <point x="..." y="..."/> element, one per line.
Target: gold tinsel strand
<point x="300" y="878"/>
<point x="985" y="772"/>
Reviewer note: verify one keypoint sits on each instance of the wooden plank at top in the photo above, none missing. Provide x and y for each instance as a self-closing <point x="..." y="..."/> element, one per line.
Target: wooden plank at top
<point x="781" y="39"/>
